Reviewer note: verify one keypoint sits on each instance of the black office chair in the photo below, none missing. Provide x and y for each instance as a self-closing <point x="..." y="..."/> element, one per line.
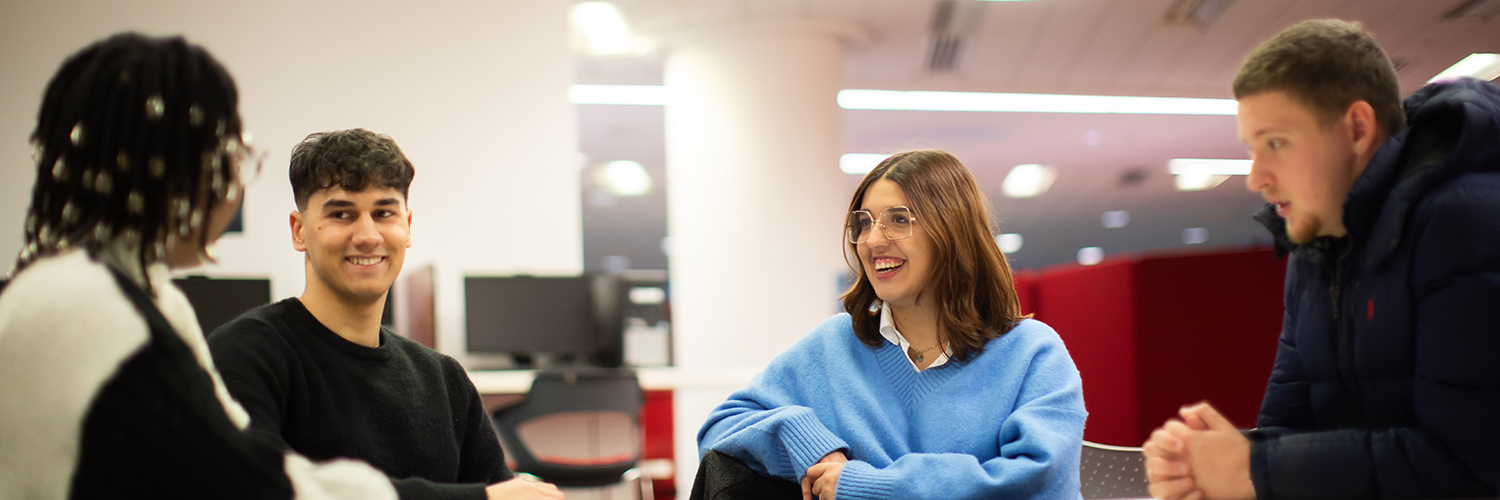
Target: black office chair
<point x="1112" y="472"/>
<point x="577" y="428"/>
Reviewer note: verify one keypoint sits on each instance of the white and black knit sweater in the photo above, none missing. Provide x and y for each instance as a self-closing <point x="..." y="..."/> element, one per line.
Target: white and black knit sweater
<point x="106" y="391"/>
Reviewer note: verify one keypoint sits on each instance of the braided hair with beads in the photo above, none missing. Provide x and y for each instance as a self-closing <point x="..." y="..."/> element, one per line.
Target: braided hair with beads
<point x="135" y="145"/>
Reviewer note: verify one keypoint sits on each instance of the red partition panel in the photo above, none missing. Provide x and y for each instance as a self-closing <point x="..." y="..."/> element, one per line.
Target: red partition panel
<point x="656" y="436"/>
<point x="1025" y="284"/>
<point x="1093" y="310"/>
<point x="1207" y="327"/>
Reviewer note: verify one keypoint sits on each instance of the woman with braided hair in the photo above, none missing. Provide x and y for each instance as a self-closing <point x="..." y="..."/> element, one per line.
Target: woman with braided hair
<point x="107" y="384"/>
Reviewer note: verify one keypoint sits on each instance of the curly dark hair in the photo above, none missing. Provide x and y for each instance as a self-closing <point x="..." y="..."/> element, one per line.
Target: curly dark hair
<point x="352" y="159"/>
<point x="133" y="146"/>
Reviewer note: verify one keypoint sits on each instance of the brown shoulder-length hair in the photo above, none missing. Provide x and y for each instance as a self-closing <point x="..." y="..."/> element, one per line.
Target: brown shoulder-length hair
<point x="971" y="281"/>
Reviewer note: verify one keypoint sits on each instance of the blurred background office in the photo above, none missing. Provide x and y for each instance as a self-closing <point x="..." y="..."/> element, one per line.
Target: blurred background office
<point x="707" y="148"/>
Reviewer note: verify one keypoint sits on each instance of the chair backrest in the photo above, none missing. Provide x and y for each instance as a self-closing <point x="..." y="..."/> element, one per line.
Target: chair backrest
<point x="576" y="427"/>
<point x="1112" y="472"/>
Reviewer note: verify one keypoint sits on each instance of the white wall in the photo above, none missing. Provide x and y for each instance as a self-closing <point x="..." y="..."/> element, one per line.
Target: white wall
<point x="474" y="91"/>
<point x="757" y="236"/>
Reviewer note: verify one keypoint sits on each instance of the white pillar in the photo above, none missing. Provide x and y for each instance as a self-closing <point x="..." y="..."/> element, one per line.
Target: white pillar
<point x="756" y="201"/>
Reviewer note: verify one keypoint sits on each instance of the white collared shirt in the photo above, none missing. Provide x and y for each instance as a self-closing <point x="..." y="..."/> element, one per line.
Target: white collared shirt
<point x="888" y="330"/>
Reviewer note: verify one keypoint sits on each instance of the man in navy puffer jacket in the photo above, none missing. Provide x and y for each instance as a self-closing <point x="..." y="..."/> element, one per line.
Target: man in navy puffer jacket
<point x="1387" y="378"/>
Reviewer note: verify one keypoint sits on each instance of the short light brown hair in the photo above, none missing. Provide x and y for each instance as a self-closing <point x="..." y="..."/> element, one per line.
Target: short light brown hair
<point x="1326" y="65"/>
<point x="971" y="280"/>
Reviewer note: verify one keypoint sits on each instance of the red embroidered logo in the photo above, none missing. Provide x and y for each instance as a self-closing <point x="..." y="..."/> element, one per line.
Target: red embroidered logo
<point x="1370" y="309"/>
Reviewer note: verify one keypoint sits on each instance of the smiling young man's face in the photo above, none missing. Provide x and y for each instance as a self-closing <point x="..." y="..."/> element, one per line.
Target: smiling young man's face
<point x="355" y="241"/>
<point x="1301" y="165"/>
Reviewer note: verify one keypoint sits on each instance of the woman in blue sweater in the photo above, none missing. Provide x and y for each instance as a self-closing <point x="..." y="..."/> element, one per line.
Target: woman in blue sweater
<point x="932" y="384"/>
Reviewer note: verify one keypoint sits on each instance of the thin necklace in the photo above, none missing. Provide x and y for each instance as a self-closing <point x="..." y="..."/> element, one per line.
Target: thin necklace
<point x="912" y="351"/>
<point x="920" y="355"/>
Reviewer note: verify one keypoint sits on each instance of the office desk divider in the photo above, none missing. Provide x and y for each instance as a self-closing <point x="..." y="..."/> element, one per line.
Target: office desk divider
<point x="1152" y="333"/>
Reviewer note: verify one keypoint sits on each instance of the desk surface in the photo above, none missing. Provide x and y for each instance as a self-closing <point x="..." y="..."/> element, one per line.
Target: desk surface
<point x="652" y="379"/>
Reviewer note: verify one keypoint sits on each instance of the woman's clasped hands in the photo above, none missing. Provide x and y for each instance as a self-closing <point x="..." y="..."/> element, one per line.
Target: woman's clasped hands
<point x="822" y="479"/>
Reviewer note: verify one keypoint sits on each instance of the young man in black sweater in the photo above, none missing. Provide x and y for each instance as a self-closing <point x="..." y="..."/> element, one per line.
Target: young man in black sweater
<point x="320" y="373"/>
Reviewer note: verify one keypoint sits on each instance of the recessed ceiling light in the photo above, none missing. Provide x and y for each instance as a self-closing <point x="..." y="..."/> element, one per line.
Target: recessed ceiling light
<point x="1115" y="219"/>
<point x="860" y="163"/>
<point x="1025" y="181"/>
<point x="603" y="28"/>
<point x="624" y="178"/>
<point x="1481" y="66"/>
<point x="639" y="95"/>
<point x="1196" y="174"/>
<point x="1093" y="138"/>
<point x="1194" y="235"/>
<point x="1089" y="256"/>
<point x="1031" y="103"/>
<point x="1009" y="242"/>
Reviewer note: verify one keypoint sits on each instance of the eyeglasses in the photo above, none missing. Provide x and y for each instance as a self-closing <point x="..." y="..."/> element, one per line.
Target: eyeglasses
<point x="895" y="223"/>
<point x="247" y="159"/>
<point x="246" y="162"/>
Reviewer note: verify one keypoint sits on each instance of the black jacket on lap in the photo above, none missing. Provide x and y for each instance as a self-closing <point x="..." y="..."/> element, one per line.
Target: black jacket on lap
<point x="722" y="477"/>
<point x="1387" y="378"/>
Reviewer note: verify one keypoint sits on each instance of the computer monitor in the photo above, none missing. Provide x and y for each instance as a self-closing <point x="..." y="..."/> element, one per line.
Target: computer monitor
<point x="538" y="322"/>
<point x="217" y="301"/>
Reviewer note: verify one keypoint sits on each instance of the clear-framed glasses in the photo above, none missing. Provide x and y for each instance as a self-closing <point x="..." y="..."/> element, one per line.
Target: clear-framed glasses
<point x="895" y="223"/>
<point x="246" y="162"/>
<point x="247" y="158"/>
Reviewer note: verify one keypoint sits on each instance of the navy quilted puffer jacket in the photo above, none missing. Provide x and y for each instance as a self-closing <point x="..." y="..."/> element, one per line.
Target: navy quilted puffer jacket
<point x="1387" y="377"/>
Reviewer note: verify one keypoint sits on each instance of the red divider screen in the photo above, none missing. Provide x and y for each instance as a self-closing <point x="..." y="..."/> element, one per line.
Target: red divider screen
<point x="1154" y="333"/>
<point x="1208" y="330"/>
<point x="656" y="435"/>
<point x="1025" y="284"/>
<point x="1093" y="310"/>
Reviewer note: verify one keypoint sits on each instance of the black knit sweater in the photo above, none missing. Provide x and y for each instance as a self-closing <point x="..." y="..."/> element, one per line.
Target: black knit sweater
<point x="406" y="409"/>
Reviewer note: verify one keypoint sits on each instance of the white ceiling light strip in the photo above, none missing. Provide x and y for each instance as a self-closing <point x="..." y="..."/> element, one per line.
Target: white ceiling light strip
<point x="1481" y="66"/>
<point x="638" y="95"/>
<point x="657" y="95"/>
<point x="916" y="100"/>
<point x="1206" y="166"/>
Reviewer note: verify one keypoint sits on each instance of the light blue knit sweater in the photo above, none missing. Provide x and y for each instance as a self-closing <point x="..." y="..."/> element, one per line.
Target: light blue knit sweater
<point x="1007" y="423"/>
